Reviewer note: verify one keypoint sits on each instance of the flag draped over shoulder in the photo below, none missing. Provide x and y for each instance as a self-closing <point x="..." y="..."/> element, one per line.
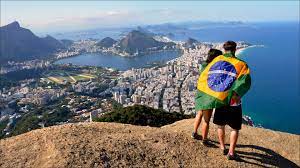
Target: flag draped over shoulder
<point x="220" y="78"/>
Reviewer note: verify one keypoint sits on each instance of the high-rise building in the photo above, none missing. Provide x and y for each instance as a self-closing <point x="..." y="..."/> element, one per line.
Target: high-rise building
<point x="122" y="99"/>
<point x="116" y="95"/>
<point x="136" y="99"/>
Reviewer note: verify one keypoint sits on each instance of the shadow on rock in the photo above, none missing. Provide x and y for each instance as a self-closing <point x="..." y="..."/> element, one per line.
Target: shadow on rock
<point x="264" y="156"/>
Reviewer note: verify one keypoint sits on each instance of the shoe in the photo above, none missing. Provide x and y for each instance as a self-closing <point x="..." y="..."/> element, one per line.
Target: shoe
<point x="205" y="142"/>
<point x="195" y="135"/>
<point x="232" y="157"/>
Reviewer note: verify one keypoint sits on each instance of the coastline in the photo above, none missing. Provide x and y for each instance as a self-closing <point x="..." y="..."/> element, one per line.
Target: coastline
<point x="57" y="58"/>
<point x="240" y="51"/>
<point x="114" y="54"/>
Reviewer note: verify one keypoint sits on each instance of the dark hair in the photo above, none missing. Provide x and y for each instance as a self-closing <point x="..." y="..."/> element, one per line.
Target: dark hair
<point x="229" y="46"/>
<point x="213" y="53"/>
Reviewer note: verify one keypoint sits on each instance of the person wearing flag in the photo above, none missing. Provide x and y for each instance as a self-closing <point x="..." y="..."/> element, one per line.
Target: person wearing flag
<point x="221" y="85"/>
<point x="206" y="114"/>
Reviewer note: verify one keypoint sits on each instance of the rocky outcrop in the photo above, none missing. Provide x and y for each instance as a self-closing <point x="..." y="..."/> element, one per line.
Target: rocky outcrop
<point x="123" y="145"/>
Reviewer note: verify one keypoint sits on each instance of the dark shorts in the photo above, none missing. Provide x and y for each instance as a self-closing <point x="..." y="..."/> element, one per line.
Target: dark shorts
<point x="229" y="115"/>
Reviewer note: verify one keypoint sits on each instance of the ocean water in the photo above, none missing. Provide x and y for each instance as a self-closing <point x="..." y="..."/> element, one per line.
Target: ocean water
<point x="274" y="98"/>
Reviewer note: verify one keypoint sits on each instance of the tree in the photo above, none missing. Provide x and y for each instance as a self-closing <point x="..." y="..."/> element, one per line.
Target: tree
<point x="142" y="115"/>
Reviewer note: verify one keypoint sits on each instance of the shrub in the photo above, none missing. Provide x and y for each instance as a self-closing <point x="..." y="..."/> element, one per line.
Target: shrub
<point x="142" y="115"/>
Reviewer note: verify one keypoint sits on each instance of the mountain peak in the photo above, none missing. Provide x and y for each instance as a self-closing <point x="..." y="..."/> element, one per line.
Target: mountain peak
<point x="20" y="44"/>
<point x="191" y="41"/>
<point x="13" y="25"/>
<point x="135" y="32"/>
<point x="136" y="40"/>
<point x="106" y="42"/>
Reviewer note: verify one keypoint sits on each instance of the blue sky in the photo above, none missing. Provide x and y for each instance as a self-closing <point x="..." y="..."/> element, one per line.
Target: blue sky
<point x="75" y="15"/>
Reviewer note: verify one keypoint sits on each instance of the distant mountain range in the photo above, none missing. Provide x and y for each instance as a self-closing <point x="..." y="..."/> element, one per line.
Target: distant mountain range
<point x="20" y="44"/>
<point x="174" y="30"/>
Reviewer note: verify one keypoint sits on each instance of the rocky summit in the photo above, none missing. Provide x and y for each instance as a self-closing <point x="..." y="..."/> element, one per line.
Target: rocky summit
<point x="122" y="145"/>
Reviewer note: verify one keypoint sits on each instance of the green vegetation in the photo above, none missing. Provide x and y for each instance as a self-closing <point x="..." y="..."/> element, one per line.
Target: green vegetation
<point x="3" y="125"/>
<point x="115" y="105"/>
<point x="27" y="123"/>
<point x="6" y="83"/>
<point x="24" y="74"/>
<point x="142" y="115"/>
<point x="53" y="114"/>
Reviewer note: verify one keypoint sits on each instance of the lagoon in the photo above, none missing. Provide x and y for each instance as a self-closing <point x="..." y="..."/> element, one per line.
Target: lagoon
<point x="118" y="62"/>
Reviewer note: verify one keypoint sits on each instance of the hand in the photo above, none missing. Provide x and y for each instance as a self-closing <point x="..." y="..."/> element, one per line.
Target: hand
<point x="235" y="99"/>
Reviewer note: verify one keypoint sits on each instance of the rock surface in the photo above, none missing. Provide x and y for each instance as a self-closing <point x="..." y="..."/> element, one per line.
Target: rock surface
<point x="123" y="145"/>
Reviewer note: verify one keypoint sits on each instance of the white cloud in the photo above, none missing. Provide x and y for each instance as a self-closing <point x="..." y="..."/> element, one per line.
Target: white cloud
<point x="113" y="12"/>
<point x="100" y="19"/>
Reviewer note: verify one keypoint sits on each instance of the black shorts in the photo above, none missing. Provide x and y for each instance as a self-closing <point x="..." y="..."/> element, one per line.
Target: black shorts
<point x="229" y="115"/>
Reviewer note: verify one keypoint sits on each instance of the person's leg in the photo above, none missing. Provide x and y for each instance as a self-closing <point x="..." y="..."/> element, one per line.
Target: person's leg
<point x="235" y="124"/>
<point x="221" y="135"/>
<point x="205" y="124"/>
<point x="233" y="140"/>
<point x="197" y="121"/>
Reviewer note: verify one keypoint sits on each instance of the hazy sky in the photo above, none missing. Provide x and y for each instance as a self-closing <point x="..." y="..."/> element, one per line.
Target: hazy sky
<point x="75" y="15"/>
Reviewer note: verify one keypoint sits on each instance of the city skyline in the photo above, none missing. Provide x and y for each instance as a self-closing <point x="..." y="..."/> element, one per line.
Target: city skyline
<point x="51" y="16"/>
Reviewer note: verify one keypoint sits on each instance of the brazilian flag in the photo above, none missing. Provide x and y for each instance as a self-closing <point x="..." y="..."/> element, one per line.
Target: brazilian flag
<point x="220" y="78"/>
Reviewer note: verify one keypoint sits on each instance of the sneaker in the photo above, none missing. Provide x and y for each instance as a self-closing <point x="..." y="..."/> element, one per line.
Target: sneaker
<point x="232" y="157"/>
<point x="205" y="142"/>
<point x="195" y="135"/>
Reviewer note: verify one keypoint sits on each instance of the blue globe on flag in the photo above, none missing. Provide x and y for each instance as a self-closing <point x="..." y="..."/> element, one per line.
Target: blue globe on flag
<point x="221" y="76"/>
